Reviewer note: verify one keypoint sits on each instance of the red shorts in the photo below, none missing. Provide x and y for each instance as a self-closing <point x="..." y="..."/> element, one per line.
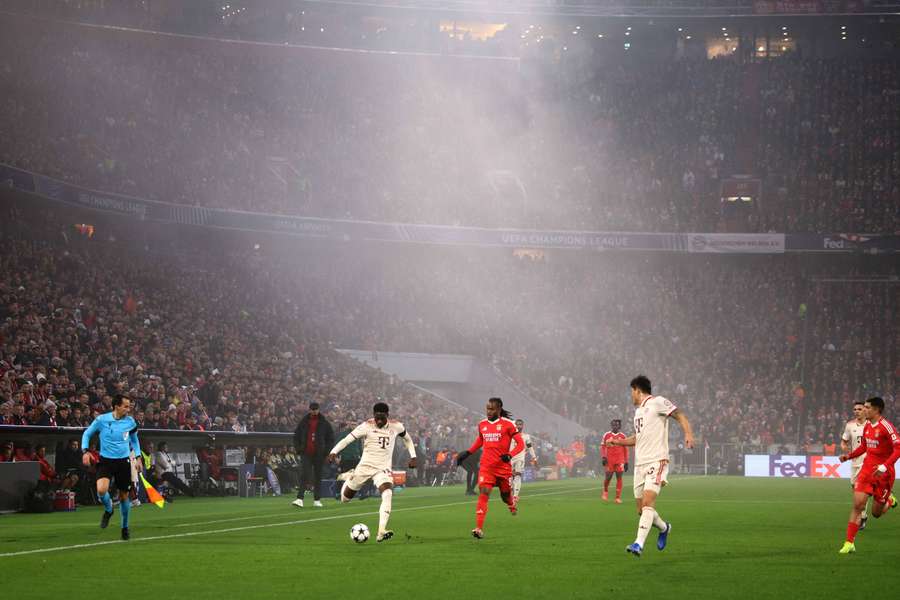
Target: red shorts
<point x="874" y="484"/>
<point x="617" y="468"/>
<point x="493" y="476"/>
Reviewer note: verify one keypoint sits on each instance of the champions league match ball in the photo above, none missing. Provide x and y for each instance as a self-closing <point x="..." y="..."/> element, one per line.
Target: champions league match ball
<point x="359" y="533"/>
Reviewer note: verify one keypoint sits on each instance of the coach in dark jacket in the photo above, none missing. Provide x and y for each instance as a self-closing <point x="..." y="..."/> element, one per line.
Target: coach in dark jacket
<point x="314" y="439"/>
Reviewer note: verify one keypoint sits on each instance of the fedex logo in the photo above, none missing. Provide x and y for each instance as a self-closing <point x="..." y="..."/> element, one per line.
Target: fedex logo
<point x="819" y="467"/>
<point x="813" y="466"/>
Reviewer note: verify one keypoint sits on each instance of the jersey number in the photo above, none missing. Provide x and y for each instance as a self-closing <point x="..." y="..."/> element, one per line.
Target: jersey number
<point x="859" y="440"/>
<point x="638" y="424"/>
<point x="383" y="442"/>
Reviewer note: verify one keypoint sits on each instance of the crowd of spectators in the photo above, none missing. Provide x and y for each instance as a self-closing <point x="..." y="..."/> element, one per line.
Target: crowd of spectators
<point x="761" y="350"/>
<point x="634" y="144"/>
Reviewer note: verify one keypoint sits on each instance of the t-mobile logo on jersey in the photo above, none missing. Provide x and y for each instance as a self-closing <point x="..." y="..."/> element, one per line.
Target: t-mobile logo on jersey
<point x="809" y="466"/>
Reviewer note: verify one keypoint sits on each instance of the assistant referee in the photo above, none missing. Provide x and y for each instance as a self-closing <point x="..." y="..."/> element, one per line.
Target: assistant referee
<point x="118" y="437"/>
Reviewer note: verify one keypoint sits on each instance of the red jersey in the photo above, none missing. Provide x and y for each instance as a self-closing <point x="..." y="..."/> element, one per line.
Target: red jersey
<point x="614" y="455"/>
<point x="497" y="437"/>
<point x="882" y="444"/>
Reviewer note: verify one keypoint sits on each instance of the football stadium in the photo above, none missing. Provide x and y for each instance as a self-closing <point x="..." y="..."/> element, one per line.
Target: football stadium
<point x="443" y="298"/>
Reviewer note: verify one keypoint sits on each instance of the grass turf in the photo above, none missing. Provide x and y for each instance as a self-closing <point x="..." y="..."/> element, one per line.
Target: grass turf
<point x="732" y="537"/>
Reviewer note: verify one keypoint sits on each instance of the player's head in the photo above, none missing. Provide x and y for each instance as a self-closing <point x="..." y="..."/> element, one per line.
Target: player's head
<point x="520" y="425"/>
<point x="121" y="405"/>
<point x="495" y="409"/>
<point x="380" y="412"/>
<point x="640" y="387"/>
<point x="874" y="407"/>
<point x="859" y="410"/>
<point x="615" y="425"/>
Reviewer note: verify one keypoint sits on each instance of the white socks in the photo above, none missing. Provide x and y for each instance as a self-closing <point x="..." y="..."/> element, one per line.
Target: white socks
<point x="644" y="525"/>
<point x="384" y="513"/>
<point x="649" y="518"/>
<point x="516" y="485"/>
<point x="658" y="522"/>
<point x="344" y="497"/>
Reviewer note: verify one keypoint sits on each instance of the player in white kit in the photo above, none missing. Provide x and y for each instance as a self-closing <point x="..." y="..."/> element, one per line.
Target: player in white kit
<point x="518" y="461"/>
<point x="378" y="435"/>
<point x="851" y="439"/>
<point x="651" y="457"/>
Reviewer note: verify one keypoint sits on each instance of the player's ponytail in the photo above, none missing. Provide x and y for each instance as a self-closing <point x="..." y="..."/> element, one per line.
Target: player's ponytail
<point x="503" y="412"/>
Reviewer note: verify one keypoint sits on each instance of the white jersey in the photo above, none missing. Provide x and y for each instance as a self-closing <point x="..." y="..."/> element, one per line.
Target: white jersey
<point x="651" y="430"/>
<point x="529" y="449"/>
<point x="378" y="443"/>
<point x="853" y="435"/>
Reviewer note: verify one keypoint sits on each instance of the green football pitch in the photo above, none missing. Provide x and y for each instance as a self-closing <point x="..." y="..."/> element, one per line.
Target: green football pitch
<point x="732" y="538"/>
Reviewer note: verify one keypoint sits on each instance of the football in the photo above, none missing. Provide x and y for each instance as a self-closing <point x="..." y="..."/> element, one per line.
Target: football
<point x="359" y="533"/>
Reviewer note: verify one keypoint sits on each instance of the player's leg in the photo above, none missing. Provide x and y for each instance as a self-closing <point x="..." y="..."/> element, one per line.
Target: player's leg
<point x="506" y="494"/>
<point x="485" y="485"/>
<point x="883" y="500"/>
<point x="652" y="477"/>
<point x="606" y="480"/>
<point x="384" y="511"/>
<point x="619" y="479"/>
<point x="639" y="480"/>
<point x="357" y="480"/>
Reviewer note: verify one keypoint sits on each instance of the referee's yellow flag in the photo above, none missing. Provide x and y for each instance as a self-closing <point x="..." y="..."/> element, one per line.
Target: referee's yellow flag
<point x="154" y="496"/>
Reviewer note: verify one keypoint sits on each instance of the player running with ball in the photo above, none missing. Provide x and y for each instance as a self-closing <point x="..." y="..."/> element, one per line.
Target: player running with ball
<point x="876" y="478"/>
<point x="497" y="435"/>
<point x="651" y="457"/>
<point x="378" y="435"/>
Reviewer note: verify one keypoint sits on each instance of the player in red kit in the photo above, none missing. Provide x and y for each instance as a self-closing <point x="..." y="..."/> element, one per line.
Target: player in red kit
<point x="496" y="435"/>
<point x="615" y="459"/>
<point x="876" y="477"/>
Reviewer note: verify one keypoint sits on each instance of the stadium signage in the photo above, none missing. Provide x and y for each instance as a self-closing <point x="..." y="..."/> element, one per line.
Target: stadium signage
<point x="778" y="465"/>
<point x="370" y="231"/>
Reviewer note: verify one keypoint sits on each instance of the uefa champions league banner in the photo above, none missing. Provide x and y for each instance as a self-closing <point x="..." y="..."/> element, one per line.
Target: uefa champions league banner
<point x="785" y="465"/>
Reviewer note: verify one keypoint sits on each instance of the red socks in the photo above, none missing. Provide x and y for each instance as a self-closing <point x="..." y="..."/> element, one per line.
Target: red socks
<point x="852" y="528"/>
<point x="606" y="484"/>
<point x="618" y="487"/>
<point x="481" y="511"/>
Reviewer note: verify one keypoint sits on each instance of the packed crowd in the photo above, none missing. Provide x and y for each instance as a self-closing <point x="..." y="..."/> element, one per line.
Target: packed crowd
<point x="632" y="145"/>
<point x="764" y="350"/>
<point x="193" y="340"/>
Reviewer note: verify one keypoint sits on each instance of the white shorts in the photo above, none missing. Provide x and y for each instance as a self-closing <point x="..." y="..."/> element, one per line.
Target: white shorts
<point x="363" y="473"/>
<point x="854" y="473"/>
<point x="518" y="466"/>
<point x="650" y="477"/>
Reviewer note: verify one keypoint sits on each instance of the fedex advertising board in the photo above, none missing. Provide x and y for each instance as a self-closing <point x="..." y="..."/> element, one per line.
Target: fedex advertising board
<point x="785" y="465"/>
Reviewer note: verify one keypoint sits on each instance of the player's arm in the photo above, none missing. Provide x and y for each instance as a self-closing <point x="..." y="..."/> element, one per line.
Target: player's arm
<point x="410" y="447"/>
<point x="685" y="426"/>
<point x="462" y="456"/>
<point x="629" y="441"/>
<point x="339" y="447"/>
<point x="93" y="428"/>
<point x="529" y="447"/>
<point x="519" y="449"/>
<point x="845" y="438"/>
<point x="858" y="452"/>
<point x="894" y="455"/>
<point x="603" y="455"/>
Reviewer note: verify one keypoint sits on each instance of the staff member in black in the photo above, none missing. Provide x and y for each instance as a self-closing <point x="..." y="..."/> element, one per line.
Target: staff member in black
<point x="313" y="438"/>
